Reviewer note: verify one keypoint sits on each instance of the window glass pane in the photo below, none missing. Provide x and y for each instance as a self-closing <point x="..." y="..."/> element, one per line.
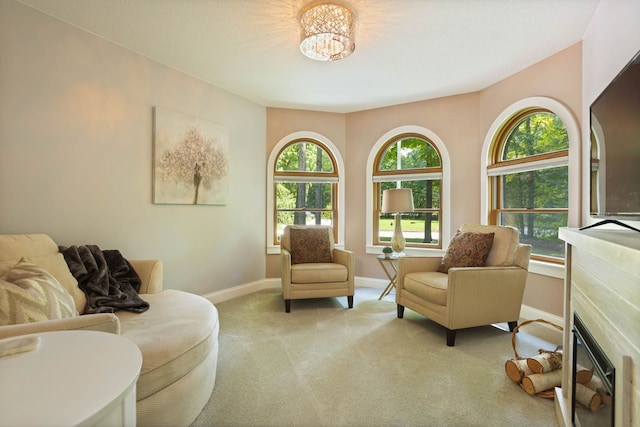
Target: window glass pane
<point x="543" y="188"/>
<point x="540" y="230"/>
<point x="426" y="194"/>
<point x="409" y="153"/>
<point x="303" y="195"/>
<point x="285" y="218"/>
<point x="414" y="227"/>
<point x="303" y="203"/>
<point x="304" y="157"/>
<point x="535" y="134"/>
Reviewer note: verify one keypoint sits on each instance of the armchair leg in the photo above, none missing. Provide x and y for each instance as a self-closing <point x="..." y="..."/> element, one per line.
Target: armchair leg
<point x="287" y="306"/>
<point x="512" y="325"/>
<point x="451" y="337"/>
<point x="400" y="311"/>
<point x="350" y="300"/>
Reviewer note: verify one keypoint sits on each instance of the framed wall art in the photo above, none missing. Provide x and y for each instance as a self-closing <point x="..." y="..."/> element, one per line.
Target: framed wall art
<point x="190" y="160"/>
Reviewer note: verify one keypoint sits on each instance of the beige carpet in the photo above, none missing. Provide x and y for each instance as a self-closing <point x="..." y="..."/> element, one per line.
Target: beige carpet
<point x="326" y="365"/>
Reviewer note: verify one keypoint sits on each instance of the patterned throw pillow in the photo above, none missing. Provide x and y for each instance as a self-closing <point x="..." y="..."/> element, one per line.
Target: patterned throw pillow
<point x="310" y="245"/>
<point x="28" y="293"/>
<point x="58" y="268"/>
<point x="467" y="249"/>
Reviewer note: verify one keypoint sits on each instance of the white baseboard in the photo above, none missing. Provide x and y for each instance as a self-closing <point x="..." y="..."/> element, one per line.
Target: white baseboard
<point x="259" y="285"/>
<point x="238" y="291"/>
<point x="528" y="313"/>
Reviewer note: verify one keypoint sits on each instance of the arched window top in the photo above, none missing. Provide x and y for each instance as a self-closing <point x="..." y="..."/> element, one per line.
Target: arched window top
<point x="531" y="133"/>
<point x="305" y="156"/>
<point x="408" y="153"/>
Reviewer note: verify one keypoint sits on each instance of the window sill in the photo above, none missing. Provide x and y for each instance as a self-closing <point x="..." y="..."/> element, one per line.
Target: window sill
<point x="546" y="269"/>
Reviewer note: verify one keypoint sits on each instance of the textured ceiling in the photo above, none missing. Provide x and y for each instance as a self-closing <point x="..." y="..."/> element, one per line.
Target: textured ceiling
<point x="406" y="50"/>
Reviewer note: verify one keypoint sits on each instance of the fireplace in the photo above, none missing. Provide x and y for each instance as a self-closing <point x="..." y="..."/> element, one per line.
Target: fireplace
<point x="602" y="304"/>
<point x="593" y="377"/>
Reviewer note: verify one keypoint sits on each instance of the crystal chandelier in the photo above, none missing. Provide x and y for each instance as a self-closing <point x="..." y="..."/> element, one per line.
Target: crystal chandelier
<point x="327" y="32"/>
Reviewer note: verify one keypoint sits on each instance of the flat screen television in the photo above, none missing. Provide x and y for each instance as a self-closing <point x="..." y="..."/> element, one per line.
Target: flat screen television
<point x="615" y="147"/>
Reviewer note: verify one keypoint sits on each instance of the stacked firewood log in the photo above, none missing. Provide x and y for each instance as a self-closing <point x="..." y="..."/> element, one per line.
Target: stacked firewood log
<point x="539" y="375"/>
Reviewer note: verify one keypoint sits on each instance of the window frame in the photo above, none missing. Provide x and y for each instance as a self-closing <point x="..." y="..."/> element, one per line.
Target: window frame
<point x="373" y="246"/>
<point x="335" y="178"/>
<point x="570" y="157"/>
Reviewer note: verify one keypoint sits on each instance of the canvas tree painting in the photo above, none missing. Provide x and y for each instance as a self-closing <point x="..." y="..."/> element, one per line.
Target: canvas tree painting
<point x="191" y="161"/>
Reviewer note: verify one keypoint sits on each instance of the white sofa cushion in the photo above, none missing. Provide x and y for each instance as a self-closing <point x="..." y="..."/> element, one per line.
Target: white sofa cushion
<point x="174" y="337"/>
<point x="319" y="272"/>
<point x="428" y="285"/>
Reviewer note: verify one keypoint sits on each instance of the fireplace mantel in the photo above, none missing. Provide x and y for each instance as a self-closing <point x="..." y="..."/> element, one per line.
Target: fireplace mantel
<point x="602" y="284"/>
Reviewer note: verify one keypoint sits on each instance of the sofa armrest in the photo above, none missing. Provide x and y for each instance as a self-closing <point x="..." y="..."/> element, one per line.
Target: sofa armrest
<point x="348" y="259"/>
<point x="413" y="264"/>
<point x="150" y="272"/>
<point x="285" y="260"/>
<point x="344" y="257"/>
<point x="477" y="295"/>
<point x="102" y="322"/>
<point x="285" y="271"/>
<point x="523" y="254"/>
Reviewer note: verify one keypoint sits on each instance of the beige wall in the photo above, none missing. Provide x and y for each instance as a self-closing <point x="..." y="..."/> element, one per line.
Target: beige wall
<point x="283" y="122"/>
<point x="442" y="116"/>
<point x="462" y="123"/>
<point x="76" y="154"/>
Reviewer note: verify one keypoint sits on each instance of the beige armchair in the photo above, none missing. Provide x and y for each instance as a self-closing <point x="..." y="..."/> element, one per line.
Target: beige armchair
<point x="466" y="297"/>
<point x="312" y="267"/>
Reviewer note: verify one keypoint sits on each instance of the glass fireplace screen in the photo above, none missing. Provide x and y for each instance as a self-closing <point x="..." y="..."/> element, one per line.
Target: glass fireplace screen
<point x="593" y="380"/>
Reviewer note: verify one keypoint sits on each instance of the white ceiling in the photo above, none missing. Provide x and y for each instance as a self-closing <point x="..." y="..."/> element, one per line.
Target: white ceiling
<point x="406" y="50"/>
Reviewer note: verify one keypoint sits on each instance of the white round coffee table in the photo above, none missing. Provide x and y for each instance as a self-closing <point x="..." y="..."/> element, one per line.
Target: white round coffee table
<point x="73" y="378"/>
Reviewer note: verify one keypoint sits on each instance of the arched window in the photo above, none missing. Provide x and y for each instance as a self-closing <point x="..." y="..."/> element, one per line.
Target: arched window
<point x="304" y="181"/>
<point x="409" y="160"/>
<point x="528" y="172"/>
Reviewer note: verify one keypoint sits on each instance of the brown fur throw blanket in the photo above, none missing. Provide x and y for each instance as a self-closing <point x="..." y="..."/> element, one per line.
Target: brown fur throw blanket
<point x="107" y="279"/>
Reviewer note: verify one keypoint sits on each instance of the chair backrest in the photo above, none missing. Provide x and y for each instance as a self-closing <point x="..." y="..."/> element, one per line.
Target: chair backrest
<point x="322" y="235"/>
<point x="505" y="242"/>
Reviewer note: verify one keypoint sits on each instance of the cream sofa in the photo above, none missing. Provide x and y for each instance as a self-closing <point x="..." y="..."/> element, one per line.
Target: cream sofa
<point x="178" y="335"/>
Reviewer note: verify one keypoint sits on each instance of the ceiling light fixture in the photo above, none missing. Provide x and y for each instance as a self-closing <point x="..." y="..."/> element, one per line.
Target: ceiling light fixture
<point x="327" y="32"/>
